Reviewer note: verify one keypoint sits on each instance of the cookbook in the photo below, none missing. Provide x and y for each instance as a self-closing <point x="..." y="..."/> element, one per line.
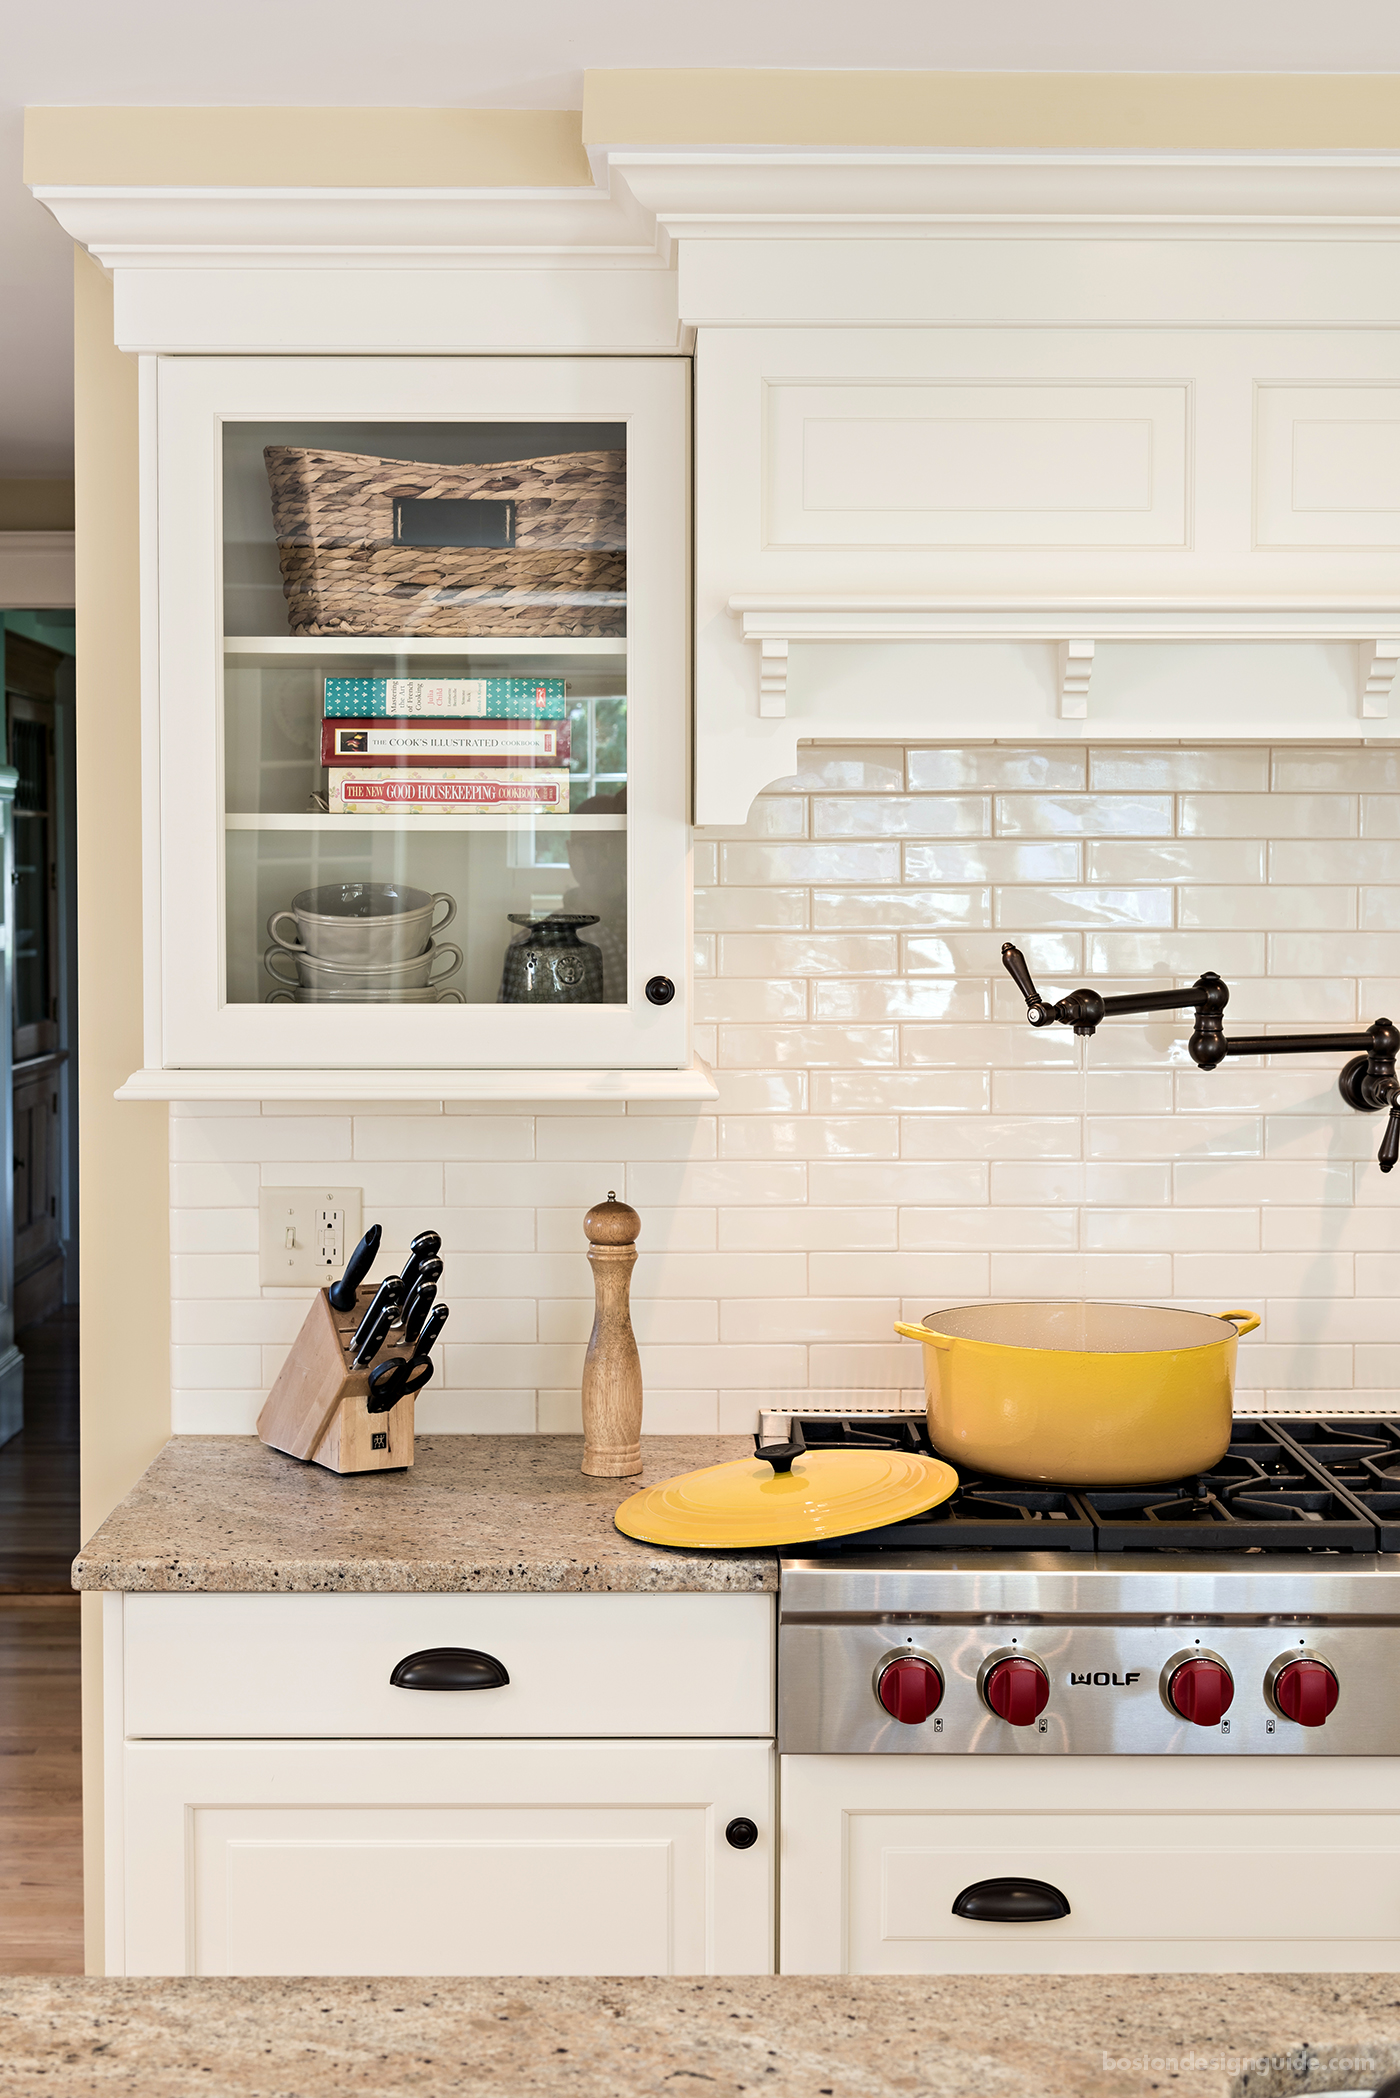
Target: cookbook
<point x="407" y="790"/>
<point x="371" y="741"/>
<point x="490" y="698"/>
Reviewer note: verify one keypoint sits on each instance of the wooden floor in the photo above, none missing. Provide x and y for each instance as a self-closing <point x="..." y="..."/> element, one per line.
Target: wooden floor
<point x="39" y="1466"/>
<point x="41" y="1807"/>
<point x="41" y="1820"/>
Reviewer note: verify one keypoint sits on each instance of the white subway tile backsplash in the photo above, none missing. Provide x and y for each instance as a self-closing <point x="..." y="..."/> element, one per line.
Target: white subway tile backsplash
<point x="901" y="998"/>
<point x="808" y="1229"/>
<point x="891" y="1135"/>
<point x="1084" y="815"/>
<point x="808" y="1136"/>
<point x="1267" y="816"/>
<point x="943" y="770"/>
<point x="747" y="864"/>
<point x="808" y="953"/>
<point x="1135" y="1277"/>
<point x="1235" y="860"/>
<point x="750" y="910"/>
<point x="988" y="1230"/>
<point x="1277" y="907"/>
<point x="902" y="910"/>
<point x="903" y="816"/>
<point x="1220" y="769"/>
<point x="754" y="998"/>
<point x="1026" y="909"/>
<point x="845" y="768"/>
<point x="924" y="1092"/>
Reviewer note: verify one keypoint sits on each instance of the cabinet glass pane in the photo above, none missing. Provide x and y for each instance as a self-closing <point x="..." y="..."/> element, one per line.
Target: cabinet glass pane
<point x="425" y="713"/>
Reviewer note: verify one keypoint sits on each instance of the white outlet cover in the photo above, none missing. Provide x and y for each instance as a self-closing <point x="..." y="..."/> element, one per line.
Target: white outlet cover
<point x="306" y="1234"/>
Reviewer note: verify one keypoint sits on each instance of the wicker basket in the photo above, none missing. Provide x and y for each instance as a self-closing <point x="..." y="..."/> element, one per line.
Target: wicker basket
<point x="344" y="570"/>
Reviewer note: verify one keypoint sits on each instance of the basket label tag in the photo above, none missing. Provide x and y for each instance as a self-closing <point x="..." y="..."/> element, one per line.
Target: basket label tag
<point x="453" y="520"/>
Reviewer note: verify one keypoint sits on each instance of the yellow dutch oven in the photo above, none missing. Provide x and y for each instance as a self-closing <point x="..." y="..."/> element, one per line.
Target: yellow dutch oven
<point x="1083" y="1394"/>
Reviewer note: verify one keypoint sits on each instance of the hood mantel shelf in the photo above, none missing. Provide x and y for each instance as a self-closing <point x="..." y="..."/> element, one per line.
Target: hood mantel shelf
<point x="1073" y="627"/>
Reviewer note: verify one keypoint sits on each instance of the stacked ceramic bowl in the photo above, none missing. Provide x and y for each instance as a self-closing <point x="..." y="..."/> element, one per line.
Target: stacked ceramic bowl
<point x="363" y="943"/>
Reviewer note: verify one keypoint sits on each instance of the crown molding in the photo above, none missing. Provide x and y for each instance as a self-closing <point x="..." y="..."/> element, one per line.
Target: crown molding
<point x="642" y="199"/>
<point x="36" y="570"/>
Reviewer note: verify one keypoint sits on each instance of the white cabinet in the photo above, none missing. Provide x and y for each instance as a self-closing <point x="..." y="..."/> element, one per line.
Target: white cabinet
<point x="416" y="629"/>
<point x="519" y="1857"/>
<point x="1167" y="1865"/>
<point x="276" y="1805"/>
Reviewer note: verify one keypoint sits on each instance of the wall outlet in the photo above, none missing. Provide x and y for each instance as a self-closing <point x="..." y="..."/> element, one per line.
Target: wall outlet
<point x="306" y="1234"/>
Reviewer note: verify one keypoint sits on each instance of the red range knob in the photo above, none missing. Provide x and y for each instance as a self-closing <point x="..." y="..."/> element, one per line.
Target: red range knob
<point x="910" y="1689"/>
<point x="1201" y="1691"/>
<point x="1306" y="1691"/>
<point x="1017" y="1690"/>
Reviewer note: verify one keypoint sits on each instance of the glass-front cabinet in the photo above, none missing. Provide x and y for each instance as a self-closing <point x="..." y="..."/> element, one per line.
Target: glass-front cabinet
<point x="419" y="697"/>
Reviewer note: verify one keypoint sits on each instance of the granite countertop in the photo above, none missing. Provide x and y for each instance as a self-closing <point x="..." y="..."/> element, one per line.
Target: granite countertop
<point x="499" y="1513"/>
<point x="1003" y="2036"/>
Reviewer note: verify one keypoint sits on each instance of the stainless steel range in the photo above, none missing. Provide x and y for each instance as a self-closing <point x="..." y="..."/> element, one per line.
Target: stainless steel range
<point x="1251" y="1611"/>
<point x="1110" y="1714"/>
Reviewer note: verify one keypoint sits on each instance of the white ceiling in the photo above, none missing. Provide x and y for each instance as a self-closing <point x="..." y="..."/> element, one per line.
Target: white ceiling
<point x="477" y="53"/>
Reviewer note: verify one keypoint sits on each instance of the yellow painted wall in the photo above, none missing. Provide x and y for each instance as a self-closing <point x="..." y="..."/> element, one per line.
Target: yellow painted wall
<point x="36" y="506"/>
<point x="123" y="1148"/>
<point x="315" y="148"/>
<point x="124" y="1180"/>
<point x="1233" y="111"/>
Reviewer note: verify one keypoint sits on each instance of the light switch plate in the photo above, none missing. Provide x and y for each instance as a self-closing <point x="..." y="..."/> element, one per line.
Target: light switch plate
<point x="306" y="1234"/>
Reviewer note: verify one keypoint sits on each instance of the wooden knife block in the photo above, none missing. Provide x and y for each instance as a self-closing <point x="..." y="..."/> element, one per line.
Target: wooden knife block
<point x="317" y="1408"/>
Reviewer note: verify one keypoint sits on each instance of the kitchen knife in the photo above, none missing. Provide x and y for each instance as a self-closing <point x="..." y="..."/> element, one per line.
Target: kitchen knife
<point x="417" y="1309"/>
<point x="437" y="1319"/>
<point x="422" y="1248"/>
<point x="430" y="1271"/>
<point x="371" y="1336"/>
<point x="383" y="1305"/>
<point x="342" y="1293"/>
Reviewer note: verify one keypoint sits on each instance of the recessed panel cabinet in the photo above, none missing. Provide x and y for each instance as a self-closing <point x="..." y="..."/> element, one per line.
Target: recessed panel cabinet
<point x="462" y="1857"/>
<point x="416" y="722"/>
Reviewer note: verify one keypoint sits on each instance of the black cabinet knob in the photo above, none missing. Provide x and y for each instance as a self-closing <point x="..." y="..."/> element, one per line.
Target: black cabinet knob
<point x="741" y="1834"/>
<point x="661" y="990"/>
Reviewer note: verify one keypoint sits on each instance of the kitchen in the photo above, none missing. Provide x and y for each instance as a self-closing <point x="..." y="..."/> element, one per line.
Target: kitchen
<point x="1135" y="726"/>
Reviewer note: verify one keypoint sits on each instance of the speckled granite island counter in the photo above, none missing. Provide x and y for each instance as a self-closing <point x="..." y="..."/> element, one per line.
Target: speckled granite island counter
<point x="487" y="1513"/>
<point x="1091" y="2036"/>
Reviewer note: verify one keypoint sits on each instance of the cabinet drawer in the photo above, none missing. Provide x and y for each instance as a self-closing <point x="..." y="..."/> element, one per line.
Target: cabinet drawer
<point x="318" y="1666"/>
<point x="1167" y="1866"/>
<point x="461" y="1857"/>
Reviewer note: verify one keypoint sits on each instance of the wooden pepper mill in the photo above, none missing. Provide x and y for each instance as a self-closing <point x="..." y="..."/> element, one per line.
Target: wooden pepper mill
<point x="612" y="1370"/>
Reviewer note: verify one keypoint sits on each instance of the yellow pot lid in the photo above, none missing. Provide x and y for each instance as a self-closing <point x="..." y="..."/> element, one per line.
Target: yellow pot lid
<point x="827" y="1493"/>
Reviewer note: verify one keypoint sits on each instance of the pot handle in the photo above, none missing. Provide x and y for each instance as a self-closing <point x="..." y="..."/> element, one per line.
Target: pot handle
<point x="1244" y="1320"/>
<point x="935" y="1340"/>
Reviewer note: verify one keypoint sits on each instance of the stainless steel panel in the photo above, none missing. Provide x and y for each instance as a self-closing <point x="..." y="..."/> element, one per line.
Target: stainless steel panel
<point x="1105" y="1696"/>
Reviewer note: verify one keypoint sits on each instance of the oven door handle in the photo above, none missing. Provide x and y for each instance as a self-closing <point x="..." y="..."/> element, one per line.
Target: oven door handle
<point x="1011" y="1901"/>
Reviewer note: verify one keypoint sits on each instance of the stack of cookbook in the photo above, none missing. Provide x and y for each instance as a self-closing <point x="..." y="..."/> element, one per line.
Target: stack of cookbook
<point x="429" y="746"/>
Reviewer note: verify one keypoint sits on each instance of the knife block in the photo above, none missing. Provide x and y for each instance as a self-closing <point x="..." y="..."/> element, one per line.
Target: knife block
<point x="317" y="1408"/>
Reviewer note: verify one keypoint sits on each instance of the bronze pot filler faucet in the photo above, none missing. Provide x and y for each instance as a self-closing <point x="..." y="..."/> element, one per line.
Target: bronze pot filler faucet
<point x="1367" y="1082"/>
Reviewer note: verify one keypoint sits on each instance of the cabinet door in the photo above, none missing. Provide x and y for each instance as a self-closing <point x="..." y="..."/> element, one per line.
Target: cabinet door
<point x="1167" y="1866"/>
<point x="447" y="1858"/>
<point x="422" y="703"/>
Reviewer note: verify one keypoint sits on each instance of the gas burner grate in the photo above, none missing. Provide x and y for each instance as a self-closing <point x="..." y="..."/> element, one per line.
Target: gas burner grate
<point x="1296" y="1485"/>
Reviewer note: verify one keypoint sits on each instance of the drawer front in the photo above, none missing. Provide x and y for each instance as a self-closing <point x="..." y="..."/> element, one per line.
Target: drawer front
<point x="430" y="1858"/>
<point x="1275" y="1871"/>
<point x="318" y="1666"/>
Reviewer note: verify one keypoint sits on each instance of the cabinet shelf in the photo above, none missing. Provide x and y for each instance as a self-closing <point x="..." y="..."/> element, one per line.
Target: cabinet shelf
<point x="452" y="1082"/>
<point x="408" y="824"/>
<point x="290" y="646"/>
